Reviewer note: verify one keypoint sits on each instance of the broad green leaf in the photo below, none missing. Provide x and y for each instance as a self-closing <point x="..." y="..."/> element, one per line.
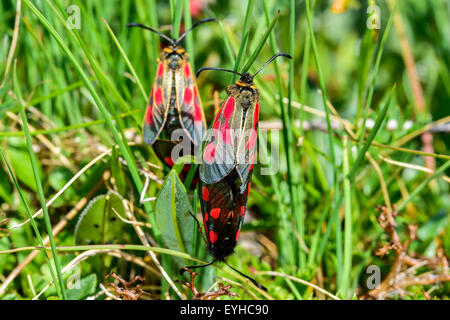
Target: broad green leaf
<point x="99" y="224"/>
<point x="20" y="161"/>
<point x="83" y="288"/>
<point x="173" y="216"/>
<point x="433" y="226"/>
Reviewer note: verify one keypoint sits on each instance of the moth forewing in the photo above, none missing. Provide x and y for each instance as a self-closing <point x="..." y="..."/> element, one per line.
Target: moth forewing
<point x="218" y="153"/>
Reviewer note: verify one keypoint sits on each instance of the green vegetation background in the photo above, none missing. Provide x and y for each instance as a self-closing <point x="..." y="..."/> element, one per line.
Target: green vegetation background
<point x="315" y="220"/>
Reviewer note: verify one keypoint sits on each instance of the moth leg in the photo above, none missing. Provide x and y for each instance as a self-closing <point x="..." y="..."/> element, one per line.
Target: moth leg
<point x="142" y="198"/>
<point x="199" y="227"/>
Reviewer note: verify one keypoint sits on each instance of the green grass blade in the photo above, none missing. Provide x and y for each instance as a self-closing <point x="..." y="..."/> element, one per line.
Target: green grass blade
<point x="189" y="37"/>
<point x="127" y="155"/>
<point x="48" y="224"/>
<point x="244" y="38"/>
<point x="261" y="44"/>
<point x="347" y="268"/>
<point x="419" y="189"/>
<point x="176" y="23"/>
<point x="373" y="133"/>
<point x="374" y="76"/>
<point x="30" y="216"/>
<point x="298" y="171"/>
<point x="322" y="87"/>
<point x="127" y="61"/>
<point x="228" y="49"/>
<point x="289" y="254"/>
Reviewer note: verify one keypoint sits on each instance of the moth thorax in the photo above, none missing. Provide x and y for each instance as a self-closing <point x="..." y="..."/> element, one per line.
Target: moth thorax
<point x="246" y="98"/>
<point x="175" y="61"/>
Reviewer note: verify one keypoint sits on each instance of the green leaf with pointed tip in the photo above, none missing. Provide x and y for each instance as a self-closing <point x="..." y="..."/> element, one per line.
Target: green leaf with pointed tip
<point x="20" y="161"/>
<point x="83" y="288"/>
<point x="433" y="227"/>
<point x="99" y="224"/>
<point x="173" y="216"/>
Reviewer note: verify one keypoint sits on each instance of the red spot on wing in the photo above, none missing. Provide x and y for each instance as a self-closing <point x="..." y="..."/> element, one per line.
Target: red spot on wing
<point x="252" y="139"/>
<point x="169" y="161"/>
<point x="253" y="162"/>
<point x="158" y="97"/>
<point x="215" y="213"/>
<point x="187" y="70"/>
<point x="237" y="234"/>
<point x="242" y="210"/>
<point x="197" y="114"/>
<point x="249" y="187"/>
<point x="256" y="115"/>
<point x="197" y="110"/>
<point x="188" y="95"/>
<point x="210" y="152"/>
<point x="212" y="236"/>
<point x="216" y="124"/>
<point x="226" y="133"/>
<point x="229" y="108"/>
<point x="149" y="116"/>
<point x="206" y="217"/>
<point x="205" y="193"/>
<point x="160" y="70"/>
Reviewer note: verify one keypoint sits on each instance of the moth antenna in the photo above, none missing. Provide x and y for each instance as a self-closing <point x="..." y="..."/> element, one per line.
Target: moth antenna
<point x="199" y="227"/>
<point x="195" y="25"/>
<point x="184" y="269"/>
<point x="249" y="278"/>
<point x="271" y="59"/>
<point x="134" y="24"/>
<point x="217" y="69"/>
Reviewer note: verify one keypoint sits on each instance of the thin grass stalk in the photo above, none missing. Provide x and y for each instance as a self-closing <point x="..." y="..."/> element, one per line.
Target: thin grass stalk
<point x="244" y="38"/>
<point x="260" y="44"/>
<point x="127" y="61"/>
<point x="374" y="76"/>
<point x="228" y="49"/>
<point x="368" y="142"/>
<point x="299" y="205"/>
<point x="127" y="155"/>
<point x="331" y="139"/>
<point x="352" y="173"/>
<point x="348" y="191"/>
<point x="30" y="216"/>
<point x="316" y="237"/>
<point x="176" y="22"/>
<point x="66" y="128"/>
<point x="189" y="37"/>
<point x="242" y="50"/>
<point x="287" y="139"/>
<point x="419" y="189"/>
<point x="48" y="225"/>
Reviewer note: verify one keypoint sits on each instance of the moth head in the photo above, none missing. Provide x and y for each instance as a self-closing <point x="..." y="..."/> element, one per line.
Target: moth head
<point x="175" y="56"/>
<point x="174" y="47"/>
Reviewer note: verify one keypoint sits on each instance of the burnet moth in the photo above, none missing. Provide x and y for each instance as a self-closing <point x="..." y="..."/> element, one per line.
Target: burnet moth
<point x="227" y="166"/>
<point x="174" y="110"/>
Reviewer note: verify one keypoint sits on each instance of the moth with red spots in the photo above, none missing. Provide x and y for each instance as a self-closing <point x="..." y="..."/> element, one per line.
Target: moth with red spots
<point x="227" y="166"/>
<point x="174" y="110"/>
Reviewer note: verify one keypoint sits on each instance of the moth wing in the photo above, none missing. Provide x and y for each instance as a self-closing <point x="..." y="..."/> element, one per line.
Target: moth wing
<point x="219" y="155"/>
<point x="223" y="210"/>
<point x="246" y="150"/>
<point x="163" y="149"/>
<point x="158" y="105"/>
<point x="190" y="109"/>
